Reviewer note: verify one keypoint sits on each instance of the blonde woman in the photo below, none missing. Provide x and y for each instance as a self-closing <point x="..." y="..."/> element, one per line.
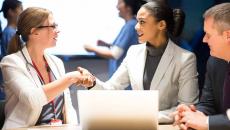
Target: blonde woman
<point x="36" y="85"/>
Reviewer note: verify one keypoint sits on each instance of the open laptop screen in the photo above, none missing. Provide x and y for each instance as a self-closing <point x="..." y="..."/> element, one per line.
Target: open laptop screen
<point x="118" y="109"/>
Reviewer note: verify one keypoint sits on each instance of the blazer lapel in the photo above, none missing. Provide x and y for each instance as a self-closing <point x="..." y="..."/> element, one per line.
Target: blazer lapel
<point x="140" y="65"/>
<point x="33" y="74"/>
<point x="163" y="65"/>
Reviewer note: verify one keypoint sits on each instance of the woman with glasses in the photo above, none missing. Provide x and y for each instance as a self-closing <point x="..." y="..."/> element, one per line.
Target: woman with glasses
<point x="36" y="85"/>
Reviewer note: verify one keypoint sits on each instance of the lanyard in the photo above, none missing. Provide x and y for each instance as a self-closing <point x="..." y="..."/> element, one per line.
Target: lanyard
<point x="39" y="73"/>
<point x="43" y="82"/>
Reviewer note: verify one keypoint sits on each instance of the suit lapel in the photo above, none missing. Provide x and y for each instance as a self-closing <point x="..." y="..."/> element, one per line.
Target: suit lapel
<point x="140" y="65"/>
<point x="163" y="65"/>
<point x="33" y="73"/>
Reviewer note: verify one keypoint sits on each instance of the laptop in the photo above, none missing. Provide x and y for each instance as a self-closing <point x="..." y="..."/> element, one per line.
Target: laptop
<point x="118" y="109"/>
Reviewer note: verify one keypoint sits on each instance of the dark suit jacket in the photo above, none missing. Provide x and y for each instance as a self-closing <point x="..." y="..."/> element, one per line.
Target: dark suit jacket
<point x="212" y="95"/>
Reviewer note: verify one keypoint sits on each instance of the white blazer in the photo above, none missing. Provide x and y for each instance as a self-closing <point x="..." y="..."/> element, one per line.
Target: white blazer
<point x="175" y="77"/>
<point x="24" y="94"/>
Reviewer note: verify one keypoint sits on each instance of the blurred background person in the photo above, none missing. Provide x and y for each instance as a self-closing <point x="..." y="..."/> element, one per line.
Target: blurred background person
<point x="0" y="32"/>
<point x="179" y="18"/>
<point x="2" y="95"/>
<point x="11" y="10"/>
<point x="126" y="37"/>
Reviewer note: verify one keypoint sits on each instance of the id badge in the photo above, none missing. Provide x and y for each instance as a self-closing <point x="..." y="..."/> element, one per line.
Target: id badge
<point x="56" y="122"/>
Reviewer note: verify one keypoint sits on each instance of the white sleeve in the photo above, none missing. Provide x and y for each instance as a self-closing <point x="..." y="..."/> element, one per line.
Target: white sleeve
<point x="116" y="52"/>
<point x="120" y="79"/>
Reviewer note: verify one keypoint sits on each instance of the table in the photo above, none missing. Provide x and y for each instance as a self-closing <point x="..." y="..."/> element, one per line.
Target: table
<point x="74" y="127"/>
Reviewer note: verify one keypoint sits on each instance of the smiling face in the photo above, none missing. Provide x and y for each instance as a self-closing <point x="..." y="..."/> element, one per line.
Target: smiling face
<point x="147" y="26"/>
<point x="218" y="42"/>
<point x="51" y="31"/>
<point x="47" y="33"/>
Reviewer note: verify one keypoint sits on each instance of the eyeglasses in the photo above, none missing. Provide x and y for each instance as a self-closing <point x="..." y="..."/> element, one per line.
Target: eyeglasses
<point x="54" y="26"/>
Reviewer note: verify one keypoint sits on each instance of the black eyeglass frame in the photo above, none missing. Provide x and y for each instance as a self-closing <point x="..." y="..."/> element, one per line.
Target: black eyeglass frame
<point x="52" y="26"/>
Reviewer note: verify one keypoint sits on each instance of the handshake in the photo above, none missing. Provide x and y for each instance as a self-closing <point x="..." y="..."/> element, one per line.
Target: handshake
<point x="82" y="77"/>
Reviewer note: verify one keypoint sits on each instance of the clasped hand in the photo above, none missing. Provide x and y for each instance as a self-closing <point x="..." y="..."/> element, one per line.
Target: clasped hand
<point x="88" y="80"/>
<point x="81" y="77"/>
<point x="187" y="118"/>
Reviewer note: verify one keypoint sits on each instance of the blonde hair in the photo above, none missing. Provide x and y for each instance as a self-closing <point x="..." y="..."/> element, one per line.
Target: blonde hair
<point x="31" y="17"/>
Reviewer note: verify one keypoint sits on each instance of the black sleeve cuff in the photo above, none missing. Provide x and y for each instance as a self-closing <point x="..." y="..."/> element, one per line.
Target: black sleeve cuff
<point x="94" y="83"/>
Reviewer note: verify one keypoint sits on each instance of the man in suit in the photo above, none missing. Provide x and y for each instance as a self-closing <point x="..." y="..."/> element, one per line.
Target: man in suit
<point x="211" y="110"/>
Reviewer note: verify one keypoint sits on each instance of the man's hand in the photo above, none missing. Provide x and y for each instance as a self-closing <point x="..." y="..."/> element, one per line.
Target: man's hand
<point x="187" y="117"/>
<point x="178" y="116"/>
<point x="196" y="120"/>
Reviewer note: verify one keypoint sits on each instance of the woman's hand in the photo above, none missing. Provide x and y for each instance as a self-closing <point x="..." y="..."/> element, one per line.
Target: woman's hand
<point x="75" y="77"/>
<point x="88" y="80"/>
<point x="81" y="77"/>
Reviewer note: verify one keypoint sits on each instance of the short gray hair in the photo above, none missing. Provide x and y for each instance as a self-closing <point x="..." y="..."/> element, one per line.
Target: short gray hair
<point x="221" y="16"/>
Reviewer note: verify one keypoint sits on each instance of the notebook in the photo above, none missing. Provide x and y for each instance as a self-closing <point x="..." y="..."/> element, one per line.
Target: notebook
<point x="118" y="109"/>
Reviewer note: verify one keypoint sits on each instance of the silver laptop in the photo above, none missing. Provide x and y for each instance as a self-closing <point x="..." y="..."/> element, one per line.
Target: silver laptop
<point x="118" y="109"/>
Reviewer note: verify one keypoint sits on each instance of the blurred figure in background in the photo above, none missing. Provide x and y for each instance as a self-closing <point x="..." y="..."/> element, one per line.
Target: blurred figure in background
<point x="179" y="18"/>
<point x="2" y="95"/>
<point x="127" y="36"/>
<point x="0" y="32"/>
<point x="11" y="10"/>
